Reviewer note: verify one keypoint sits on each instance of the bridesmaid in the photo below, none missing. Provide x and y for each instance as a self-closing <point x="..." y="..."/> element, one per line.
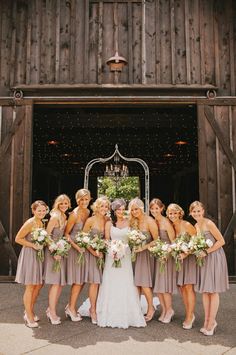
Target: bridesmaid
<point x="187" y="276"/>
<point x="144" y="264"/>
<point x="57" y="280"/>
<point x="29" y="269"/>
<point x="212" y="277"/>
<point x="95" y="225"/>
<point x="75" y="272"/>
<point x="164" y="282"/>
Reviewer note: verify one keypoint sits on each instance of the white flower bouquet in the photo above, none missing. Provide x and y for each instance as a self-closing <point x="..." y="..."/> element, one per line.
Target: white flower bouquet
<point x="40" y="238"/>
<point x="98" y="244"/>
<point x="180" y="246"/>
<point x="117" y="250"/>
<point x="58" y="248"/>
<point x="136" y="239"/>
<point x="160" y="250"/>
<point x="198" y="244"/>
<point x="82" y="239"/>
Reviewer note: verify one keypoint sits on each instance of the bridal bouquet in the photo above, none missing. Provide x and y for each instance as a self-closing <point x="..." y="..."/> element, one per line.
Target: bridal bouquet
<point x="58" y="248"/>
<point x="160" y="250"/>
<point x="82" y="239"/>
<point x="40" y="238"/>
<point x="180" y="246"/>
<point x="116" y="250"/>
<point x="197" y="244"/>
<point x="136" y="239"/>
<point x="100" y="246"/>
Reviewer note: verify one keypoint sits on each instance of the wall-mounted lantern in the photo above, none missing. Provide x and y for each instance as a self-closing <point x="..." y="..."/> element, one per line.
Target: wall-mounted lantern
<point x="116" y="63"/>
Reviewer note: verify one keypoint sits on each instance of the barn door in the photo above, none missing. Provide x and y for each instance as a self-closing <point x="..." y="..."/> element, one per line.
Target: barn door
<point x="217" y="166"/>
<point x="15" y="178"/>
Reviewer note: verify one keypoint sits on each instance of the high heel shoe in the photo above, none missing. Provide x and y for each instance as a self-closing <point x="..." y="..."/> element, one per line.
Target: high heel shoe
<point x="36" y="318"/>
<point x="190" y="325"/>
<point x="149" y="318"/>
<point x="167" y="319"/>
<point x="54" y="321"/>
<point x="74" y="318"/>
<point x="211" y="331"/>
<point x="161" y="318"/>
<point x="93" y="319"/>
<point x="30" y="324"/>
<point x="202" y="330"/>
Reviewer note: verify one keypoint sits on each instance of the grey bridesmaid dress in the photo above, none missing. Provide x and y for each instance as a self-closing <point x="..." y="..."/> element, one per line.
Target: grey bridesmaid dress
<point x="93" y="274"/>
<point x="29" y="269"/>
<point x="165" y="282"/>
<point x="213" y="275"/>
<point x="144" y="267"/>
<point x="49" y="276"/>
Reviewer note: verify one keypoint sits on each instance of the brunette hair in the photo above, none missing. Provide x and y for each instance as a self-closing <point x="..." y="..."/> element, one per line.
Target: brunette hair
<point x="38" y="203"/>
<point x="158" y="202"/>
<point x="196" y="204"/>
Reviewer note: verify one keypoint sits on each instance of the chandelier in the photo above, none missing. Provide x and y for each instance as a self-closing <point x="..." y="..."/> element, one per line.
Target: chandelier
<point x="116" y="169"/>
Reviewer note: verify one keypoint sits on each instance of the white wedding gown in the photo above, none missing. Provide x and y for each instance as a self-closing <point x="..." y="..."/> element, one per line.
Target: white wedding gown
<point x="118" y="304"/>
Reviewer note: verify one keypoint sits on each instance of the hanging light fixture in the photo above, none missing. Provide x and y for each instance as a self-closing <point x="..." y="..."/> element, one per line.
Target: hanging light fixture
<point x="116" y="169"/>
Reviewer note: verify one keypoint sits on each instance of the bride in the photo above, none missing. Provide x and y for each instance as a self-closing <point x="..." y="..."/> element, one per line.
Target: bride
<point x="118" y="303"/>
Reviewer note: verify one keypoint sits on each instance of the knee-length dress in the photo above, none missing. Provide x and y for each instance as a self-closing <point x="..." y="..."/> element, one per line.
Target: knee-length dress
<point x="93" y="274"/>
<point x="75" y="273"/>
<point x="165" y="281"/>
<point x="50" y="276"/>
<point x="29" y="269"/>
<point x="144" y="267"/>
<point x="188" y="273"/>
<point x="213" y="275"/>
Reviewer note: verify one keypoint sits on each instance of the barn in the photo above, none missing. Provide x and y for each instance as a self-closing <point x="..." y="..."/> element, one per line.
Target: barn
<point x="155" y="77"/>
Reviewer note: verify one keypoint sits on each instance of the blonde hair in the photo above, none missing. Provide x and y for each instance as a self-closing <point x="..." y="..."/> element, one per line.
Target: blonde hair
<point x="158" y="202"/>
<point x="38" y="203"/>
<point x="196" y="204"/>
<point x="81" y="193"/>
<point x="56" y="211"/>
<point x="175" y="207"/>
<point x="98" y="203"/>
<point x="133" y="221"/>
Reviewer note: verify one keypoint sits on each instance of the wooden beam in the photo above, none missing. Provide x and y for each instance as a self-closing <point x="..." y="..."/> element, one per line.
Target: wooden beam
<point x="230" y="228"/>
<point x="224" y="144"/>
<point x="8" y="138"/>
<point x="8" y="246"/>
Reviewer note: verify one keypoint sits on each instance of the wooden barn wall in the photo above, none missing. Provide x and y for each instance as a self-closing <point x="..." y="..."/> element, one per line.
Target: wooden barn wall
<point x="15" y="167"/>
<point x="216" y="174"/>
<point x="165" y="42"/>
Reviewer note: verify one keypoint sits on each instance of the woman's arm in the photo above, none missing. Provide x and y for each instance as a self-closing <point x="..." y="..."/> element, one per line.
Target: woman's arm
<point x="217" y="235"/>
<point x="107" y="230"/>
<point x="170" y="230"/>
<point x="53" y="222"/>
<point x="153" y="229"/>
<point x="70" y="224"/>
<point x="22" y="233"/>
<point x="86" y="229"/>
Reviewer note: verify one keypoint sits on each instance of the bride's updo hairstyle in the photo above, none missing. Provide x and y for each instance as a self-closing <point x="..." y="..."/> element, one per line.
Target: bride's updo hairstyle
<point x="98" y="203"/>
<point x="134" y="222"/>
<point x="177" y="208"/>
<point x="116" y="204"/>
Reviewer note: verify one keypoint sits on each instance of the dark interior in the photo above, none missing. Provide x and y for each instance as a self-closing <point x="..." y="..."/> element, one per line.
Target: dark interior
<point x="65" y="139"/>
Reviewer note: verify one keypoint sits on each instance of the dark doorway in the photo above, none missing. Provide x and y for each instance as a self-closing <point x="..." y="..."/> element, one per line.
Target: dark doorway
<point x="67" y="138"/>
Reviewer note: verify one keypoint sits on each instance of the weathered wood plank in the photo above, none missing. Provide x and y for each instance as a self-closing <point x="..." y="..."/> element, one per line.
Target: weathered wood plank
<point x="202" y="157"/>
<point x="86" y="38"/>
<point x="100" y="44"/>
<point x="173" y="41"/>
<point x="211" y="119"/>
<point x="5" y="41"/>
<point x="58" y="24"/>
<point x="72" y="42"/>
<point x="166" y="67"/>
<point x="194" y="42"/>
<point x="130" y="43"/>
<point x="79" y="41"/>
<point x="95" y="35"/>
<point x="65" y="42"/>
<point x="123" y="42"/>
<point x="180" y="42"/>
<point x="225" y="195"/>
<point x="232" y="48"/>
<point x="158" y="42"/>
<point x="28" y="45"/>
<point x="150" y="38"/>
<point x="137" y="26"/>
<point x="36" y="17"/>
<point x="108" y="47"/>
<point x="5" y="168"/>
<point x="187" y="41"/>
<point x="27" y="162"/>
